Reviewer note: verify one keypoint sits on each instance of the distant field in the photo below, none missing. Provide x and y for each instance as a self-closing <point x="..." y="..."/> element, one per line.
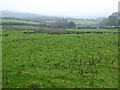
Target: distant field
<point x="50" y="21"/>
<point x="82" y="22"/>
<point x="63" y="61"/>
<point x="85" y="22"/>
<point x="22" y="21"/>
<point x="19" y="21"/>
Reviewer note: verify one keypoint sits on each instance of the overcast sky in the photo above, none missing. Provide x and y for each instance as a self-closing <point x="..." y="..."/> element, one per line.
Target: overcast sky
<point x="70" y="8"/>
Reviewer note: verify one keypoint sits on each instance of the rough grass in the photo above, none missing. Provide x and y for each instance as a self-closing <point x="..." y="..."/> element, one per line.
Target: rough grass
<point x="62" y="61"/>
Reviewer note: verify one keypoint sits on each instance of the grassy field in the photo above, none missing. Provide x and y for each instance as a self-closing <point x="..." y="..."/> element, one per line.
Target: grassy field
<point x="18" y="21"/>
<point x="85" y="22"/>
<point x="63" y="61"/>
<point x="82" y="22"/>
<point x="50" y="21"/>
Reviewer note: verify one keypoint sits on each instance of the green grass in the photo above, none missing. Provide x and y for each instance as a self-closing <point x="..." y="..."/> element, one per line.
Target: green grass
<point x="63" y="61"/>
<point x="19" y="21"/>
<point x="85" y="22"/>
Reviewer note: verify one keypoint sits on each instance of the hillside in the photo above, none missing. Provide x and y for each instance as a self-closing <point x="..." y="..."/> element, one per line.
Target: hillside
<point x="27" y="16"/>
<point x="19" y="14"/>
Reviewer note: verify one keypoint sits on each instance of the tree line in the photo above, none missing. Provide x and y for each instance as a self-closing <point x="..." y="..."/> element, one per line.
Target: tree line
<point x="112" y="20"/>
